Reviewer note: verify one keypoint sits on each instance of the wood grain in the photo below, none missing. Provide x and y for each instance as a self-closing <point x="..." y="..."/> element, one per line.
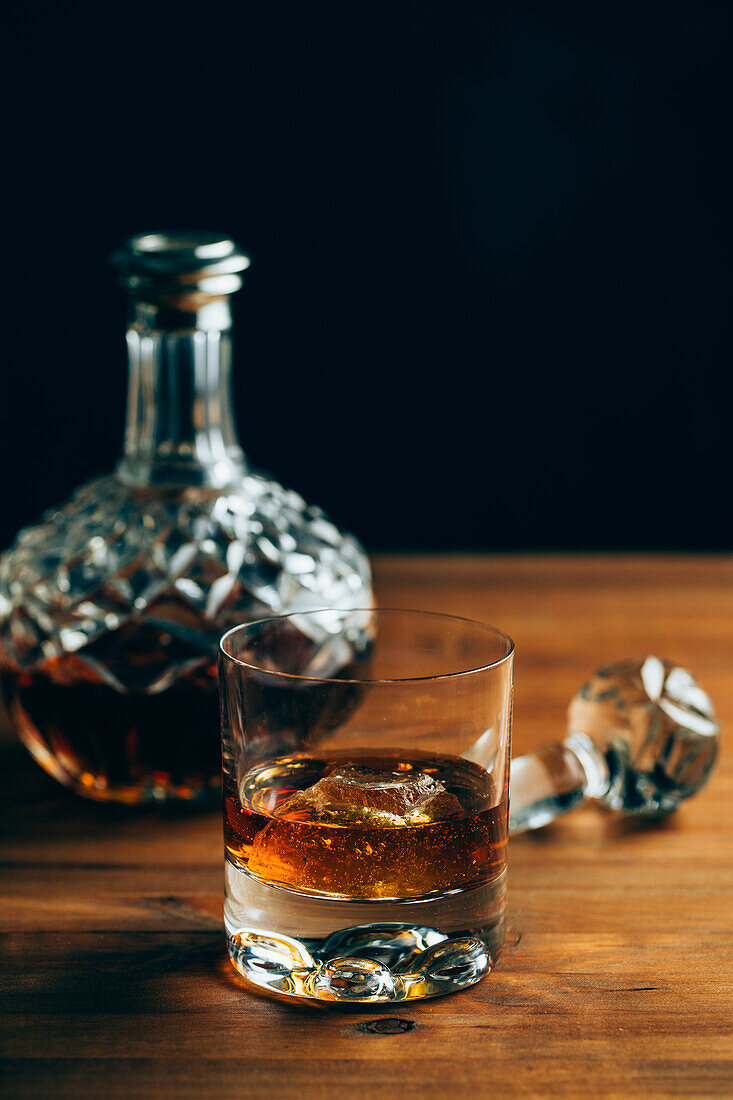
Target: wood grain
<point x="616" y="978"/>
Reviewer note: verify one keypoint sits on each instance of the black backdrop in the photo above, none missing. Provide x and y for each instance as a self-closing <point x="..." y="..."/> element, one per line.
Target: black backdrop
<point x="490" y="283"/>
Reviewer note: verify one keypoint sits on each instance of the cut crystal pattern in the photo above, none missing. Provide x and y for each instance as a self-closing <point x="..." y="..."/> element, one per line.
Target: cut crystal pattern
<point x="186" y="565"/>
<point x="111" y="607"/>
<point x="654" y="727"/>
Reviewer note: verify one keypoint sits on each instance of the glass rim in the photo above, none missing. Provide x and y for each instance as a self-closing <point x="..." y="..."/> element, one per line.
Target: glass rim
<point x="485" y="627"/>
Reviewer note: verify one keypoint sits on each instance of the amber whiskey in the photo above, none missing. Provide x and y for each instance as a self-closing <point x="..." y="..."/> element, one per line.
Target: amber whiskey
<point x="401" y="825"/>
<point x="130" y="746"/>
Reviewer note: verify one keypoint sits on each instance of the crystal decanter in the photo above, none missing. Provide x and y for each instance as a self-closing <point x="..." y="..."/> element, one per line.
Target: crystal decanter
<point x="111" y="607"/>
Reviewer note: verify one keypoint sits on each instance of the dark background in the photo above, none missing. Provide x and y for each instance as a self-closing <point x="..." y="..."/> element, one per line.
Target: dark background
<point x="489" y="299"/>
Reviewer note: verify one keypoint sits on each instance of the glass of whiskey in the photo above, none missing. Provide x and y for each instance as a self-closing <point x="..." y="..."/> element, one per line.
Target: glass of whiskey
<point x="366" y="794"/>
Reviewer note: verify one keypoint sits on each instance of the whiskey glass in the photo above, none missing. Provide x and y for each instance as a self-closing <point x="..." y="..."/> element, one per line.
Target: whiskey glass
<point x="366" y="791"/>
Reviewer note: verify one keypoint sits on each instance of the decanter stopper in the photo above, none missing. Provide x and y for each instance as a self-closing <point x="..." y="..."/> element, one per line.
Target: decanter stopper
<point x="172" y="276"/>
<point x="642" y="736"/>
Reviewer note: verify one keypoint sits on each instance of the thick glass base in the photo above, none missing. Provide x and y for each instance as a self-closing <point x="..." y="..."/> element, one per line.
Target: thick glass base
<point x="309" y="948"/>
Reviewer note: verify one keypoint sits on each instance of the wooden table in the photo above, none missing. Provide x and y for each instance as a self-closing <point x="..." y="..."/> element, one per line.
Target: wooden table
<point x="616" y="978"/>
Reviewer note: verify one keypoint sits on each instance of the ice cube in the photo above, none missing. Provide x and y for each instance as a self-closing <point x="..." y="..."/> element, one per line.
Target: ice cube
<point x="349" y="835"/>
<point x="356" y="794"/>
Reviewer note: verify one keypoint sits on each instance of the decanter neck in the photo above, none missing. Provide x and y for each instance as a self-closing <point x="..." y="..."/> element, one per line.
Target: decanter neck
<point x="180" y="428"/>
<point x="180" y="425"/>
